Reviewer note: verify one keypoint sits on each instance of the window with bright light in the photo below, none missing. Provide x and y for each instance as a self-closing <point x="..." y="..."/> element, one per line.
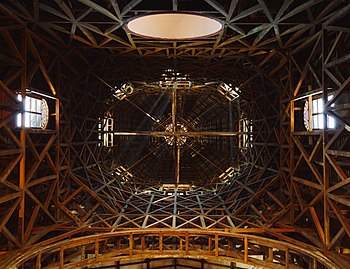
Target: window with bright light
<point x="123" y="91"/>
<point x="314" y="120"/>
<point x="105" y="128"/>
<point x="246" y="130"/>
<point x="35" y="114"/>
<point x="229" y="91"/>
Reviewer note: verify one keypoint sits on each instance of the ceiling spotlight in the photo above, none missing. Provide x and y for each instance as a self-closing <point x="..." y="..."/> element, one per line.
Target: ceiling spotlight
<point x="174" y="26"/>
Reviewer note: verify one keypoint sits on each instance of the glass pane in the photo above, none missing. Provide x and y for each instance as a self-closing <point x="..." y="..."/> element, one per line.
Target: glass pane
<point x="315" y="123"/>
<point x="27" y="103"/>
<point x="330" y="122"/>
<point x="38" y="105"/>
<point x="19" y="120"/>
<point x="319" y="120"/>
<point x="314" y="106"/>
<point x="35" y="120"/>
<point x="31" y="104"/>
<point x="30" y="120"/>
<point x="330" y="97"/>
<point x="319" y="105"/>
<point x="38" y="120"/>
<point x="26" y="119"/>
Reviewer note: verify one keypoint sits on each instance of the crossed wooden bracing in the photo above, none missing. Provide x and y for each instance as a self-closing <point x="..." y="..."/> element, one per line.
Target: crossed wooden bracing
<point x="66" y="201"/>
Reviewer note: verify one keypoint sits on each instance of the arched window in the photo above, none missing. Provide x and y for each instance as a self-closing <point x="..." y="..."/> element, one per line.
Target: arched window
<point x="36" y="113"/>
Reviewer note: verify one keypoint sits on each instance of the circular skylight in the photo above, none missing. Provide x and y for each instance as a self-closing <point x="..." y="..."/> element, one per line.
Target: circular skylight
<point x="174" y="26"/>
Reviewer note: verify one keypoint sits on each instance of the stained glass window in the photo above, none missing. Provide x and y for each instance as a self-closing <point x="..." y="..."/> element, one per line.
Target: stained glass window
<point x="307" y="116"/>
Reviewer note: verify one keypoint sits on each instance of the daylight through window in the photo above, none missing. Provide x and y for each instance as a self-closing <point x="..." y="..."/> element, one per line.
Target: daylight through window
<point x="246" y="136"/>
<point x="105" y="128"/>
<point x="36" y="113"/>
<point x="314" y="120"/>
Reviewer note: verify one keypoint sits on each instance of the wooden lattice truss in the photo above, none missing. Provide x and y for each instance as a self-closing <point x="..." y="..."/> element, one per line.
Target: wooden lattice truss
<point x="57" y="184"/>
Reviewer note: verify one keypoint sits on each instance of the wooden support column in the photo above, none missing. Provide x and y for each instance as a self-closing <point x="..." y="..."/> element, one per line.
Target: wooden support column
<point x="61" y="259"/>
<point x="143" y="243"/>
<point x="245" y="249"/>
<point x="290" y="144"/>
<point x="161" y="242"/>
<point x="131" y="244"/>
<point x="57" y="146"/>
<point x="83" y="253"/>
<point x="209" y="244"/>
<point x="97" y="249"/>
<point x="173" y="224"/>
<point x="176" y="138"/>
<point x="38" y="261"/>
<point x="326" y="228"/>
<point x="186" y="244"/>
<point x="270" y="254"/>
<point x="22" y="166"/>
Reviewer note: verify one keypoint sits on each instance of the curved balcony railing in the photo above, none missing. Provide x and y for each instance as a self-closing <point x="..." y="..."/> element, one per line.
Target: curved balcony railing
<point x="104" y="248"/>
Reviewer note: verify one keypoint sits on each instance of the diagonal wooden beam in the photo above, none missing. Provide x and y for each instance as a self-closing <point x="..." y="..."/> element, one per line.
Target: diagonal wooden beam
<point x="340" y="90"/>
<point x="10" y="236"/>
<point x="339" y="185"/>
<point x="9" y="168"/>
<point x="343" y="220"/>
<point x="53" y="11"/>
<point x="93" y="194"/>
<point x="100" y="9"/>
<point x="337" y="168"/>
<point x="130" y="6"/>
<point x="307" y="159"/>
<point x="246" y="13"/>
<point x="116" y="8"/>
<point x="266" y="10"/>
<point x="317" y="224"/>
<point x="283" y="8"/>
<point x="338" y="15"/>
<point x="41" y="157"/>
<point x="300" y="8"/>
<point x="41" y="64"/>
<point x="313" y="202"/>
<point x="217" y="6"/>
<point x="8" y="213"/>
<point x="38" y="202"/>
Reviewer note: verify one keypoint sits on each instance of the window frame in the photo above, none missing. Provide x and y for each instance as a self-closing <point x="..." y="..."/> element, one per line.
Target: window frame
<point x="315" y="109"/>
<point x="246" y="133"/>
<point x="33" y="106"/>
<point x="105" y="131"/>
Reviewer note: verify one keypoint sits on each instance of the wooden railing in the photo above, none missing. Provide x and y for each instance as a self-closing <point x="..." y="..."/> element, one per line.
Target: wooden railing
<point x="168" y="243"/>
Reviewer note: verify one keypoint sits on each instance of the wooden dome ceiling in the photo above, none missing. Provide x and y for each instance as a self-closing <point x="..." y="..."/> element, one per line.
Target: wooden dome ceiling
<point x="177" y="163"/>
